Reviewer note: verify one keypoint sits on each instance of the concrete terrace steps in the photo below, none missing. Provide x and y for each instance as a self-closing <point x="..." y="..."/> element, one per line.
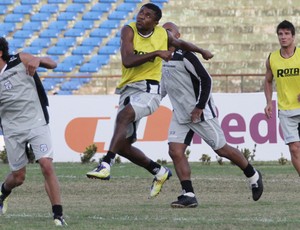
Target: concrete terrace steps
<point x="241" y="34"/>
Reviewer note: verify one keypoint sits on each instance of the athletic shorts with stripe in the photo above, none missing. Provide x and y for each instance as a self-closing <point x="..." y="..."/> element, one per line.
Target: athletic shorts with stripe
<point x="40" y="140"/>
<point x="210" y="131"/>
<point x="290" y="128"/>
<point x="143" y="104"/>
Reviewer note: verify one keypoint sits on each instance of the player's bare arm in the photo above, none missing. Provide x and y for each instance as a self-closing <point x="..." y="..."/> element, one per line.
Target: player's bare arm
<point x="268" y="89"/>
<point x="196" y="114"/>
<point x="32" y="63"/>
<point x="178" y="43"/>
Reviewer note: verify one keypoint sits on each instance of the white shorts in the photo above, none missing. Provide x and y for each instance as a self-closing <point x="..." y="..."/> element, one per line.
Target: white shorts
<point x="143" y="104"/>
<point x="210" y="131"/>
<point x="15" y="143"/>
<point x="290" y="128"/>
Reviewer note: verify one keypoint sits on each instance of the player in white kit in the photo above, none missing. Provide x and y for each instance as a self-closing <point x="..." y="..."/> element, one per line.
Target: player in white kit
<point x="24" y="120"/>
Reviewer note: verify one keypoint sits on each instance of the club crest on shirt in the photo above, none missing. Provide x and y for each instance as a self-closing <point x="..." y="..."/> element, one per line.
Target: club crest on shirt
<point x="12" y="58"/>
<point x="8" y="85"/>
<point x="43" y="147"/>
<point x="179" y="51"/>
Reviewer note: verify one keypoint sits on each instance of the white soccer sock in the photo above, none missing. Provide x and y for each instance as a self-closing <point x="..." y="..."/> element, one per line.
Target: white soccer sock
<point x="161" y="172"/>
<point x="106" y="165"/>
<point x="189" y="194"/>
<point x="254" y="178"/>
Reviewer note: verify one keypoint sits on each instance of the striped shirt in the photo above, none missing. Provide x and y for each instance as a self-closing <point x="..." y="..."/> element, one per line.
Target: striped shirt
<point x="188" y="85"/>
<point x="23" y="102"/>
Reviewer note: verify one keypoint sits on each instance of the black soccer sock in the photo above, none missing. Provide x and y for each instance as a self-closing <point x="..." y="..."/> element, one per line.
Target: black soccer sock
<point x="249" y="171"/>
<point x="4" y="191"/>
<point x="57" y="211"/>
<point x="186" y="185"/>
<point x="108" y="158"/>
<point x="153" y="167"/>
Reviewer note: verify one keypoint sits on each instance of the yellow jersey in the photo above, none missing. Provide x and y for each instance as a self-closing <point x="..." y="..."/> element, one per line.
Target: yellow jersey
<point x="286" y="72"/>
<point x="151" y="70"/>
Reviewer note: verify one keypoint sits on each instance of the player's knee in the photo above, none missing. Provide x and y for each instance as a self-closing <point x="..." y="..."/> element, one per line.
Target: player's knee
<point x="126" y="115"/>
<point x="295" y="149"/>
<point x="175" y="153"/>
<point x="225" y="151"/>
<point x="46" y="166"/>
<point x="19" y="178"/>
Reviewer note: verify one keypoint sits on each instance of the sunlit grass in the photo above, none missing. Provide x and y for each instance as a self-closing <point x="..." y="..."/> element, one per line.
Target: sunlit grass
<point x="122" y="202"/>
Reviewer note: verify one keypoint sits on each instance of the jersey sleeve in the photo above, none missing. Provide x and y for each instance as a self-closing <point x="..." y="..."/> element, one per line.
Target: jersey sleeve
<point x="194" y="66"/>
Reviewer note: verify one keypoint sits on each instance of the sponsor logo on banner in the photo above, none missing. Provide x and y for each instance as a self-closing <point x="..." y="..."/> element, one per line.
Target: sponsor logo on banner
<point x="90" y="119"/>
<point x="80" y="132"/>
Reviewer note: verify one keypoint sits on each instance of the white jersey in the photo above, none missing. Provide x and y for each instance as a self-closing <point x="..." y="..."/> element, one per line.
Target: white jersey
<point x="22" y="98"/>
<point x="188" y="85"/>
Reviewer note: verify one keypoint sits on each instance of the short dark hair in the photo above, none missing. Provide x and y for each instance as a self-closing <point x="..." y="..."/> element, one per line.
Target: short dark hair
<point x="286" y="25"/>
<point x="155" y="8"/>
<point x="4" y="48"/>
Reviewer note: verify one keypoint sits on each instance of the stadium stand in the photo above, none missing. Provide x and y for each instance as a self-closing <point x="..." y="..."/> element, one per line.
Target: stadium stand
<point x="57" y="1"/>
<point x="13" y="17"/>
<point x="57" y="50"/>
<point x="40" y="17"/>
<point x="33" y="26"/>
<point x="8" y="27"/>
<point x="75" y="7"/>
<point x="58" y="25"/>
<point x="7" y="2"/>
<point x="23" y="9"/>
<point x="16" y="43"/>
<point x="101" y="7"/>
<point x="29" y="2"/>
<point x="3" y="9"/>
<point x="78" y="33"/>
<point x="66" y="42"/>
<point x="49" y="8"/>
<point x="83" y="50"/>
<point x="74" y="59"/>
<point x="92" y="41"/>
<point x="41" y="42"/>
<point x="240" y="33"/>
<point x="33" y="50"/>
<point x="24" y="34"/>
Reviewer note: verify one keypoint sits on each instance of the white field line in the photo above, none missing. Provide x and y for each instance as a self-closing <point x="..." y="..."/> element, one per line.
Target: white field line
<point x="176" y="219"/>
<point x="204" y="178"/>
<point x="140" y="218"/>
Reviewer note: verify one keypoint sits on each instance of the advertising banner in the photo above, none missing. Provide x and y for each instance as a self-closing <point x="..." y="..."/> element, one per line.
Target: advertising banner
<point x="79" y="121"/>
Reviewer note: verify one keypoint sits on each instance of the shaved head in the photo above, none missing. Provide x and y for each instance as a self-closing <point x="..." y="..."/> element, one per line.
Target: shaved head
<point x="173" y="28"/>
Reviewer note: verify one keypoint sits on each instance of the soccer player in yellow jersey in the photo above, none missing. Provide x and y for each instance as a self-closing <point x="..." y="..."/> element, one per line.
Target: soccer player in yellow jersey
<point x="283" y="65"/>
<point x="144" y="45"/>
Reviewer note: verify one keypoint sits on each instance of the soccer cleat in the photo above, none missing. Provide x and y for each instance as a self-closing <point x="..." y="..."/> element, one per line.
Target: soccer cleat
<point x="157" y="183"/>
<point x="60" y="221"/>
<point x="185" y="201"/>
<point x="101" y="172"/>
<point x="3" y="204"/>
<point x="257" y="188"/>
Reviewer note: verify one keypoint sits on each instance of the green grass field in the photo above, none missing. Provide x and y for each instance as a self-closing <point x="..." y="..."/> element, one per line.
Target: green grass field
<point x="122" y="202"/>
